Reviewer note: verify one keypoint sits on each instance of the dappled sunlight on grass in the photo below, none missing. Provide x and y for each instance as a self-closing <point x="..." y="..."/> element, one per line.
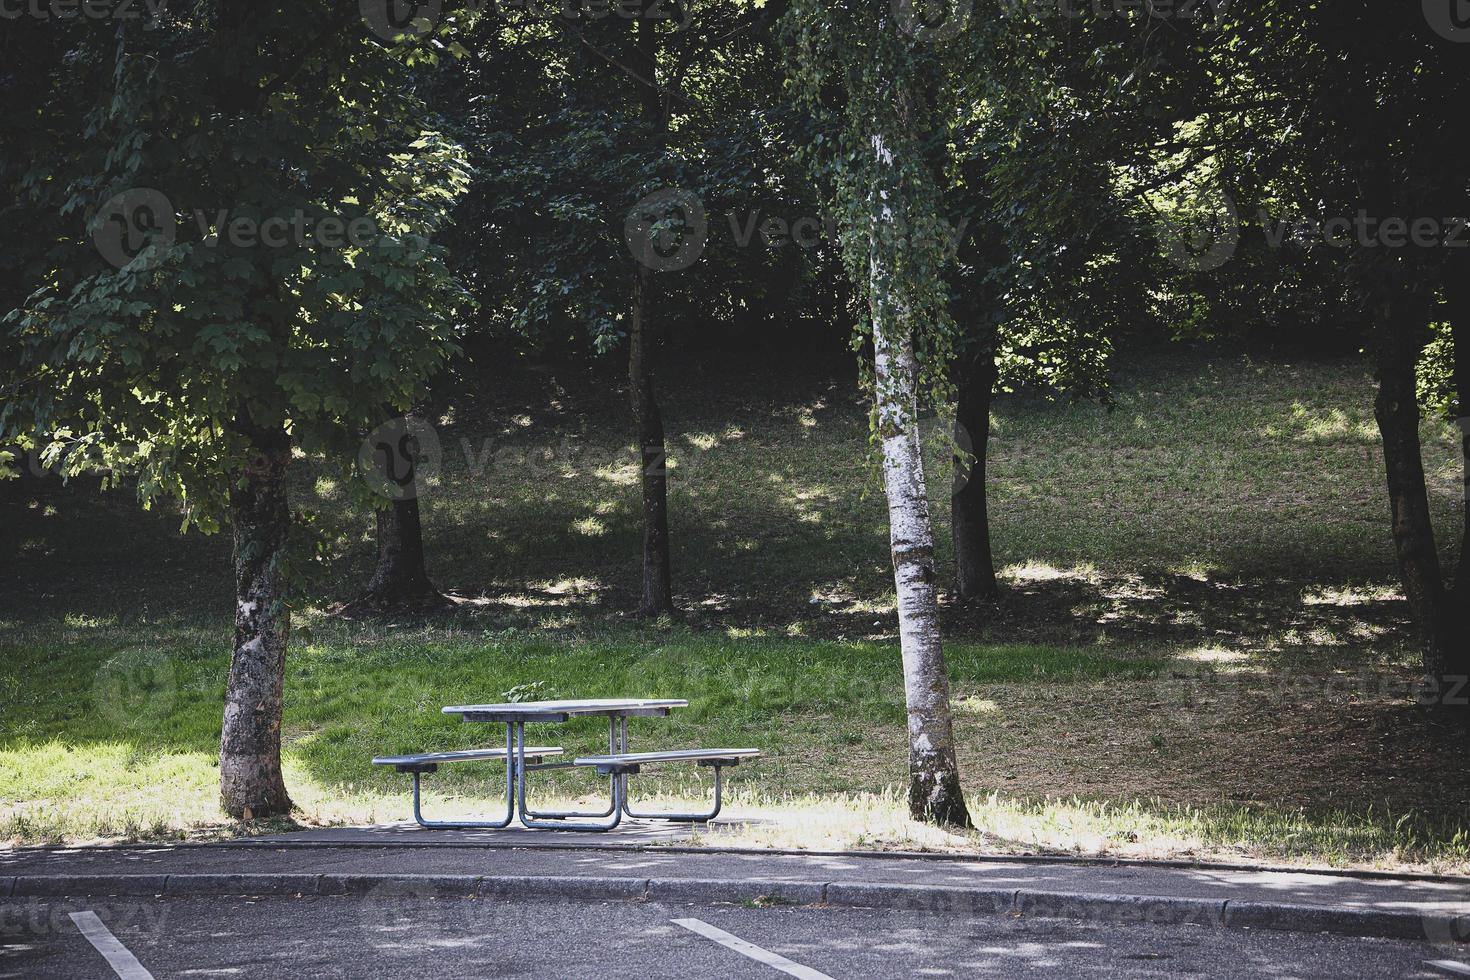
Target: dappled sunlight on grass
<point x="1350" y="595"/>
<point x="1134" y="829"/>
<point x="136" y="748"/>
<point x="592" y="527"/>
<point x="618" y="474"/>
<point x="1043" y="572"/>
<point x="1315" y="424"/>
<point x="77" y="621"/>
<point x="1215" y="656"/>
<point x="878" y="821"/>
<point x="976" y="706"/>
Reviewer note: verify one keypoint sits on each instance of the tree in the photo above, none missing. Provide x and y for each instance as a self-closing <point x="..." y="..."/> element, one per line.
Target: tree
<point x="400" y="580"/>
<point x="259" y="180"/>
<point x="1046" y="271"/>
<point x="1340" y="117"/>
<point x="676" y="119"/>
<point x="872" y="150"/>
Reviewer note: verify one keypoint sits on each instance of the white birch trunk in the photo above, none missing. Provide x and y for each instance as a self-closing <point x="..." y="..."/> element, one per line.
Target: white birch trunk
<point x="934" y="782"/>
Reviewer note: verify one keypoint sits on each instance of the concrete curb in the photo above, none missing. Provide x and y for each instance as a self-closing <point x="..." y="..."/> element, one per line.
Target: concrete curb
<point x="57" y="886"/>
<point x="390" y="885"/>
<point x="1122" y="910"/>
<point x="1380" y="923"/>
<point x="241" y="884"/>
<point x="514" y="887"/>
<point x="277" y="843"/>
<point x="745" y="890"/>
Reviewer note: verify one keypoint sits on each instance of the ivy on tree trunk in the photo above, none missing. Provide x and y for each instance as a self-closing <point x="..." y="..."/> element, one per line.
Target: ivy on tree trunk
<point x="1457" y="291"/>
<point x="934" y="777"/>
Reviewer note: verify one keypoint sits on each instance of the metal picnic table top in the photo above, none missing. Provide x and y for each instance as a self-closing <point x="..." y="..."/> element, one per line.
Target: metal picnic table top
<point x="553" y="711"/>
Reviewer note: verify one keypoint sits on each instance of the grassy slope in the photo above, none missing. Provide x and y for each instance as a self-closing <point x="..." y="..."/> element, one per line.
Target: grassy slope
<point x="1199" y="593"/>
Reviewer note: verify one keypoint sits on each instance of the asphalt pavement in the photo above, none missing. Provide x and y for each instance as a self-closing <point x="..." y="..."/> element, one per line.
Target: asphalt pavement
<point x="388" y="902"/>
<point x="398" y="934"/>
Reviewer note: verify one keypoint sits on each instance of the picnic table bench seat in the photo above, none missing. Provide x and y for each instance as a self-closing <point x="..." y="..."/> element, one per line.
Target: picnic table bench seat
<point x="431" y="761"/>
<point x="625" y="763"/>
<point x="421" y="763"/>
<point x="621" y="765"/>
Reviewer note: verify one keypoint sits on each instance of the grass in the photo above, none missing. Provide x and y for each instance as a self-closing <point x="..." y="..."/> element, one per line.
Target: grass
<point x="1200" y="650"/>
<point x="144" y="735"/>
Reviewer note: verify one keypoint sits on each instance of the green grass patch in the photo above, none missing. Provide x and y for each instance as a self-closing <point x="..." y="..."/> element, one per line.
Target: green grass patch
<point x="111" y="734"/>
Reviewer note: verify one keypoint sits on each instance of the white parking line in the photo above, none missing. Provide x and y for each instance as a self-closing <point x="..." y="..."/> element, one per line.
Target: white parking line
<point x="123" y="963"/>
<point x="773" y="960"/>
<point x="1450" y="966"/>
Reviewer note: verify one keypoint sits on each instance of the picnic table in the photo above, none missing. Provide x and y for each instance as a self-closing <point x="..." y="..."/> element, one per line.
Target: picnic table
<point x="520" y="759"/>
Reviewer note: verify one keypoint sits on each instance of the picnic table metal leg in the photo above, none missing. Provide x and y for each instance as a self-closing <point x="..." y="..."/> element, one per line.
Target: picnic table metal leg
<point x="678" y="817"/>
<point x="510" y="798"/>
<point x="615" y="811"/>
<point x="675" y="817"/>
<point x="612" y="745"/>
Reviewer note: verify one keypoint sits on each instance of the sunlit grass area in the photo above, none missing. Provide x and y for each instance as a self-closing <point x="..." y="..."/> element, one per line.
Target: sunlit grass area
<point x="106" y="741"/>
<point x="1200" y="649"/>
<point x="1136" y="830"/>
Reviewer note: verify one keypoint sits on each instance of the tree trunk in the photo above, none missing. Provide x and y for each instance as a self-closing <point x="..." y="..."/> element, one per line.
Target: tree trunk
<point x="658" y="597"/>
<point x="1457" y="292"/>
<point x="251" y="785"/>
<point x="934" y="777"/>
<point x="401" y="578"/>
<point x="969" y="517"/>
<point x="658" y="594"/>
<point x="1400" y="332"/>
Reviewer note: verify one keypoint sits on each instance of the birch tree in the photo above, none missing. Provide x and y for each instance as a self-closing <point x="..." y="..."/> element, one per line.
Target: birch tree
<point x="894" y="245"/>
